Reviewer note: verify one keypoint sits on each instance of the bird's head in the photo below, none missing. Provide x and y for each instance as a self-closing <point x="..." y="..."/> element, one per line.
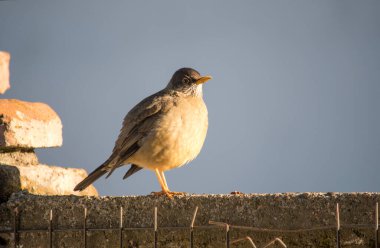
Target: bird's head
<point x="188" y="81"/>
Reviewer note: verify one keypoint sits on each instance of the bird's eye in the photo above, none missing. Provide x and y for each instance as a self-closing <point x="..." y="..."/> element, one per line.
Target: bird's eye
<point x="185" y="80"/>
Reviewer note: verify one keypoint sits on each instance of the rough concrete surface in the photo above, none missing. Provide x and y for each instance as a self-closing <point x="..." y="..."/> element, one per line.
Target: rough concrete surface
<point x="272" y="211"/>
<point x="28" y="125"/>
<point x="20" y="170"/>
<point x="4" y="71"/>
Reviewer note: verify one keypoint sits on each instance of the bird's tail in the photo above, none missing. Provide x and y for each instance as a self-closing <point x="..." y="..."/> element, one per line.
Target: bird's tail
<point x="98" y="172"/>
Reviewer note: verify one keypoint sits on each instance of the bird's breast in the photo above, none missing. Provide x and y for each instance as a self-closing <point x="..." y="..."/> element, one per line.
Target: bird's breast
<point x="177" y="136"/>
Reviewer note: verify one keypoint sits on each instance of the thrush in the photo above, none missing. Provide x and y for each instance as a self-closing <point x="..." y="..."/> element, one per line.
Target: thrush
<point x="164" y="131"/>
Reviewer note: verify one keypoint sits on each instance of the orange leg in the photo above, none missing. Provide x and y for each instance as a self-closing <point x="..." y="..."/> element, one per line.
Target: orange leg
<point x="163" y="185"/>
<point x="164" y="180"/>
<point x="166" y="185"/>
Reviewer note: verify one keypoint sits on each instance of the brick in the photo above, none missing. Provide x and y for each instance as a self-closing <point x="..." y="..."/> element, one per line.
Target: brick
<point x="28" y="125"/>
<point x="4" y="71"/>
<point x="20" y="170"/>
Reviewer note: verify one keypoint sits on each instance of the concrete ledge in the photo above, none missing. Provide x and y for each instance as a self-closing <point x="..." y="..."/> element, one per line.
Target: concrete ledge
<point x="272" y="211"/>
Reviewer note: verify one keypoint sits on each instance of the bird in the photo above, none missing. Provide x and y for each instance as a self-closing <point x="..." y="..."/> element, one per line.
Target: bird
<point x="164" y="131"/>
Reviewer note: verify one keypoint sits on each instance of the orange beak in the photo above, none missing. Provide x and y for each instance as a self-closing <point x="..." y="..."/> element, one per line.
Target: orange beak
<point x="203" y="80"/>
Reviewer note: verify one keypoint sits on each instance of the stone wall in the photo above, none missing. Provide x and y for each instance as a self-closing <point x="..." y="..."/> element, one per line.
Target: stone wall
<point x="288" y="211"/>
<point x="25" y="126"/>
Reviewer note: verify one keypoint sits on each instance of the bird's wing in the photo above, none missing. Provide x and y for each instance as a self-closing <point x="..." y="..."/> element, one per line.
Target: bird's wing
<point x="136" y="125"/>
<point x="139" y="122"/>
<point x="133" y="124"/>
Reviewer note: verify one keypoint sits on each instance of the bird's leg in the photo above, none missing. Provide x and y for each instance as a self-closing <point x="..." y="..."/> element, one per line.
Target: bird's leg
<point x="166" y="185"/>
<point x="164" y="179"/>
<point x="161" y="180"/>
<point x="164" y="188"/>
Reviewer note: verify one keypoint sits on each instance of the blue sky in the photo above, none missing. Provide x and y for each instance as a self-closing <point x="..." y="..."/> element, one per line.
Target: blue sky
<point x="293" y="106"/>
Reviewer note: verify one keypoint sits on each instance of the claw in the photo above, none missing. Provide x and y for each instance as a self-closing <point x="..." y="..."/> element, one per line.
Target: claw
<point x="165" y="189"/>
<point x="169" y="194"/>
<point x="161" y="193"/>
<point x="177" y="193"/>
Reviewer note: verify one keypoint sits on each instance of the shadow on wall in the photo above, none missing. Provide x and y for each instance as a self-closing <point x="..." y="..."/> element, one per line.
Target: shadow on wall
<point x="9" y="181"/>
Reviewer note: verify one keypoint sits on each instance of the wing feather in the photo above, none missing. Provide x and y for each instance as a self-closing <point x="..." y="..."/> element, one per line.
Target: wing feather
<point x="136" y="125"/>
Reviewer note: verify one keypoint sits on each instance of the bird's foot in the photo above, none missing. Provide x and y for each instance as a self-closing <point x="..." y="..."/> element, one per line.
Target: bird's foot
<point x="177" y="193"/>
<point x="169" y="194"/>
<point x="161" y="193"/>
<point x="236" y="193"/>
